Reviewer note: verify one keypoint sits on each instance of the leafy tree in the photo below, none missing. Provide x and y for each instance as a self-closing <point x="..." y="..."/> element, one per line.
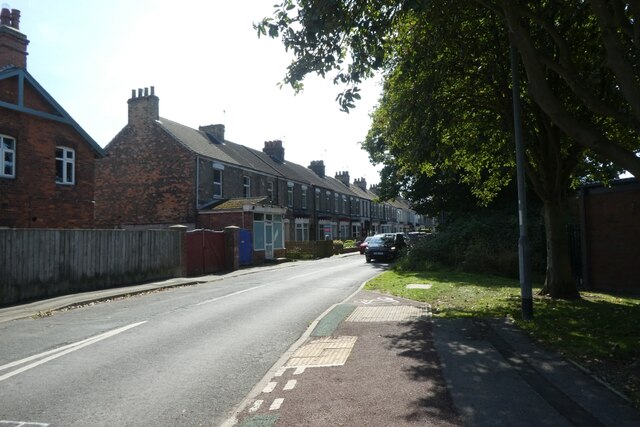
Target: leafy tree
<point x="446" y="105"/>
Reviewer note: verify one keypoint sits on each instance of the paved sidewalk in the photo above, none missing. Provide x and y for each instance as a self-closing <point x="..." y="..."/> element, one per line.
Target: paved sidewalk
<point x="382" y="361"/>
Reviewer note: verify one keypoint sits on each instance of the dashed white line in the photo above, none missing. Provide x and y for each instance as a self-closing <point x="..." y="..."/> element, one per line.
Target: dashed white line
<point x="290" y="385"/>
<point x="280" y="372"/>
<point x="277" y="403"/>
<point x="23" y="424"/>
<point x="299" y="370"/>
<point x="270" y="387"/>
<point x="229" y="295"/>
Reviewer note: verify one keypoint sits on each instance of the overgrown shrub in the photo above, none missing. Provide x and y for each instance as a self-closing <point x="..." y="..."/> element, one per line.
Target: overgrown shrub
<point x="349" y="244"/>
<point x="481" y="242"/>
<point x="337" y="247"/>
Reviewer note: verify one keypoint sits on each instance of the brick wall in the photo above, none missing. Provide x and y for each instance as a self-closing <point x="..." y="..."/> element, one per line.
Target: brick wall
<point x="147" y="178"/>
<point x="219" y="220"/>
<point x="612" y="231"/>
<point x="33" y="199"/>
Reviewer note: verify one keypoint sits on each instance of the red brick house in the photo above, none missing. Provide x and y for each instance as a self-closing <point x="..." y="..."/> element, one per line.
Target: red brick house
<point x="47" y="161"/>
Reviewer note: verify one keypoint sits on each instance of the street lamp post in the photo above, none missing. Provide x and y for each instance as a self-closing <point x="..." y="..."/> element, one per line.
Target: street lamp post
<point x="523" y="241"/>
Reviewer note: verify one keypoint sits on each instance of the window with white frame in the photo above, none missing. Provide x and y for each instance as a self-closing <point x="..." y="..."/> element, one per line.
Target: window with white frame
<point x="65" y="165"/>
<point x="290" y="194"/>
<point x="217" y="182"/>
<point x="327" y="201"/>
<point x="304" y="197"/>
<point x="302" y="229"/>
<point x="344" y="204"/>
<point x="7" y="157"/>
<point x="317" y="199"/>
<point x="336" y="202"/>
<point x="246" y="186"/>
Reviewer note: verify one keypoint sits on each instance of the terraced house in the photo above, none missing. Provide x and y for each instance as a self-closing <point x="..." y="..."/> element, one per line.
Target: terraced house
<point x="159" y="173"/>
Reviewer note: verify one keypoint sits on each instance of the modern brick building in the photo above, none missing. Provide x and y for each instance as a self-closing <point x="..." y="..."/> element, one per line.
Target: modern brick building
<point x="47" y="161"/>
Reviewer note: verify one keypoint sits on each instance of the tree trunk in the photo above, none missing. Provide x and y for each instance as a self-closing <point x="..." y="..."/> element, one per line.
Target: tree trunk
<point x="559" y="282"/>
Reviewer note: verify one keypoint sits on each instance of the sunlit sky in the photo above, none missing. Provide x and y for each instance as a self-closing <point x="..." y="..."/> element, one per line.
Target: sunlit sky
<point x="207" y="66"/>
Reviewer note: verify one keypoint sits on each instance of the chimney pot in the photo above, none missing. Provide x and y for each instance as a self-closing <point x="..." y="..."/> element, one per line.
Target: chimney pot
<point x="275" y="150"/>
<point x="5" y="17"/>
<point x="215" y="131"/>
<point x="143" y="109"/>
<point x="15" y="19"/>
<point x="13" y="44"/>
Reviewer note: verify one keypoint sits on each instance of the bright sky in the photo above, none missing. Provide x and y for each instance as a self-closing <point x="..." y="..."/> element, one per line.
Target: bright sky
<point x="207" y="65"/>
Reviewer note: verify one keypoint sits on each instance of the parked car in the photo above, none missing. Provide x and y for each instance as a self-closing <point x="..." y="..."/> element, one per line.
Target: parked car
<point x="363" y="245"/>
<point x="387" y="246"/>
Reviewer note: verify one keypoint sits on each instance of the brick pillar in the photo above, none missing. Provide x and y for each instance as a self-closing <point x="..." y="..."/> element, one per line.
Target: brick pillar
<point x="231" y="249"/>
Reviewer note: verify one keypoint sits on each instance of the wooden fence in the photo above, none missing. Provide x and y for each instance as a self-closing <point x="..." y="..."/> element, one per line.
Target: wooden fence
<point x="44" y="263"/>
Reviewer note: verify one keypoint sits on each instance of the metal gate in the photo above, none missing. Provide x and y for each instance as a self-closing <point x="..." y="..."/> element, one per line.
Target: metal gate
<point x="245" y="246"/>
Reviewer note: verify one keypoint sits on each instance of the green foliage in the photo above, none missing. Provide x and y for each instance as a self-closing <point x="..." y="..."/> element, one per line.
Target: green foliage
<point x="349" y="244"/>
<point x="298" y="254"/>
<point x="338" y="245"/>
<point x="485" y="241"/>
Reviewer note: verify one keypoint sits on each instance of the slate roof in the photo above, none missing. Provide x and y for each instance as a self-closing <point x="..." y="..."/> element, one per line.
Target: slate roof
<point x="197" y="141"/>
<point x="242" y="156"/>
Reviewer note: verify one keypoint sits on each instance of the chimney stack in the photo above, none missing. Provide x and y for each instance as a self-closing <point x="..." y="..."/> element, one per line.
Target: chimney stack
<point x="13" y="44"/>
<point x="318" y="167"/>
<point x="275" y="150"/>
<point x="362" y="183"/>
<point x="143" y="107"/>
<point x="343" y="177"/>
<point x="214" y="131"/>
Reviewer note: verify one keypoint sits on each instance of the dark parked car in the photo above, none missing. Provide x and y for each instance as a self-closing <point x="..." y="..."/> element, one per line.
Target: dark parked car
<point x="363" y="245"/>
<point x="385" y="246"/>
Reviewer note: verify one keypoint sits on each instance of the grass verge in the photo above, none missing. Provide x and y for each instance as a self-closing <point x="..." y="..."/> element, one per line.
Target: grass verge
<point x="600" y="331"/>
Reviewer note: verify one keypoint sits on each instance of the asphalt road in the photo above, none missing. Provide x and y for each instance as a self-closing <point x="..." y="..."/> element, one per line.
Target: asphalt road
<point x="184" y="356"/>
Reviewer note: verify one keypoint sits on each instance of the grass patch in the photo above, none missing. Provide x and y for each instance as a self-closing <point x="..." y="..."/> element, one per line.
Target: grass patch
<point x="599" y="331"/>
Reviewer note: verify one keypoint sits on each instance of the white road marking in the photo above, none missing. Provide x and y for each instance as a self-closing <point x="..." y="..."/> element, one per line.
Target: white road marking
<point x="23" y="423"/>
<point x="256" y="405"/>
<point x="277" y="403"/>
<point x="313" y="273"/>
<point x="299" y="370"/>
<point x="270" y="387"/>
<point x="280" y="372"/>
<point x="55" y="353"/>
<point x="290" y="385"/>
<point x="230" y="295"/>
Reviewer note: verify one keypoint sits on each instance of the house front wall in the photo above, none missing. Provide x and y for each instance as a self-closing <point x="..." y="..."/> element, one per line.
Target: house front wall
<point x="147" y="179"/>
<point x="32" y="198"/>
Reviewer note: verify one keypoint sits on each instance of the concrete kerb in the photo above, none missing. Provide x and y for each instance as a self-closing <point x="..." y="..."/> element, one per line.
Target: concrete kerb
<point x="257" y="389"/>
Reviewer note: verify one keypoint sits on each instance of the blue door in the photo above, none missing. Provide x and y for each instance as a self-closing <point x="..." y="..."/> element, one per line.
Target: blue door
<point x="245" y="247"/>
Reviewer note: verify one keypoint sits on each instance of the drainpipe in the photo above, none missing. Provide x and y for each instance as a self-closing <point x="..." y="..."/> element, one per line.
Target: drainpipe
<point x="197" y="182"/>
